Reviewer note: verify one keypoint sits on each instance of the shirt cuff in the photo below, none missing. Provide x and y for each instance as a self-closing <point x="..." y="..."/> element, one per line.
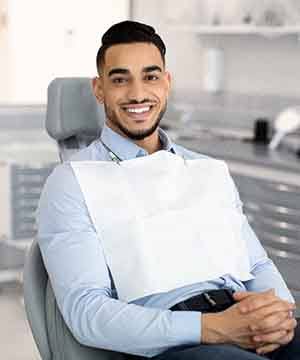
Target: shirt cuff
<point x="186" y="328"/>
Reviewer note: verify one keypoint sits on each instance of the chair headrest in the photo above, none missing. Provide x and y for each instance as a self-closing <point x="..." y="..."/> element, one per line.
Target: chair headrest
<point x="72" y="109"/>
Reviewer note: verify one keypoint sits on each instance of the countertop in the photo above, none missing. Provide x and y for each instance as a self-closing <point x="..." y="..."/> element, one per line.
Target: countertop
<point x="248" y="158"/>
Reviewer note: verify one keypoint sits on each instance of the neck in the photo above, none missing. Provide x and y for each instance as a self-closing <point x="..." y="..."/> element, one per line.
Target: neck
<point x="151" y="144"/>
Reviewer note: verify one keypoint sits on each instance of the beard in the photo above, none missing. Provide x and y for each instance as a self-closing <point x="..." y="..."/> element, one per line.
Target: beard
<point x="133" y="135"/>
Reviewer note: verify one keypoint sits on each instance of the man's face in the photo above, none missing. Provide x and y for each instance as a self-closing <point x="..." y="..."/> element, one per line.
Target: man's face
<point x="134" y="87"/>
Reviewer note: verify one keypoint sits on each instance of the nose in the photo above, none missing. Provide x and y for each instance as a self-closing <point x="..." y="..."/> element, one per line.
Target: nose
<point x="137" y="91"/>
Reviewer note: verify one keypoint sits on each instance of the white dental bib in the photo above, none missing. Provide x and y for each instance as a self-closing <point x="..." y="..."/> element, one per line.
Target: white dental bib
<point x="164" y="222"/>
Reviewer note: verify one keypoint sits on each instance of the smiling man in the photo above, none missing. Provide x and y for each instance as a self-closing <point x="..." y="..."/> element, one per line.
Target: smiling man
<point x="145" y="242"/>
<point x="134" y="86"/>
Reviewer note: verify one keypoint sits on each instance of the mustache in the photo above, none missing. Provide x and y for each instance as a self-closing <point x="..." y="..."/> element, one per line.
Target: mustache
<point x="135" y="102"/>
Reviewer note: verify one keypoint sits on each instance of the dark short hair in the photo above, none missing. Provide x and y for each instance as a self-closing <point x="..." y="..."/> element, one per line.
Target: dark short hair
<point x="127" y="32"/>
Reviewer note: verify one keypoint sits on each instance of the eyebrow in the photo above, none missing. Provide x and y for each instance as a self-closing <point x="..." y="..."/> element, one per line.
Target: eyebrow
<point x="123" y="71"/>
<point x="118" y="71"/>
<point x="152" y="68"/>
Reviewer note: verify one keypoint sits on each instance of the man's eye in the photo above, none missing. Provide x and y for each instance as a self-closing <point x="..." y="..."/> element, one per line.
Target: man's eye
<point x="152" y="77"/>
<point x="118" y="80"/>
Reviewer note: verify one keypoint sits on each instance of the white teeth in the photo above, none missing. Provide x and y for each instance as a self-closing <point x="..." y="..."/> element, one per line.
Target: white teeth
<point x="139" y="111"/>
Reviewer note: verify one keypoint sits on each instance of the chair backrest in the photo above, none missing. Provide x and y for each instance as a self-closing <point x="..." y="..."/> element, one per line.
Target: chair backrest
<point x="35" y="280"/>
<point x="74" y="118"/>
<point x="52" y="336"/>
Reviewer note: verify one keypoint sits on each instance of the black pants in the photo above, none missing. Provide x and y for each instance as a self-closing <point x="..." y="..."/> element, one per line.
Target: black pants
<point x="290" y="351"/>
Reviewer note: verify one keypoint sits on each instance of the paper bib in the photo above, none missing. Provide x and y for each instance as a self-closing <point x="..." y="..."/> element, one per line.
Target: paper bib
<point x="164" y="222"/>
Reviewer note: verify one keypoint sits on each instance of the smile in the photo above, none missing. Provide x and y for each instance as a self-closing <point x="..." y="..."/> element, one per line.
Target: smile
<point x="140" y="110"/>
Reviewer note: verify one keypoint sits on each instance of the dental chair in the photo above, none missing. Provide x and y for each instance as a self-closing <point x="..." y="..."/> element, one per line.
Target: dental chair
<point x="73" y="119"/>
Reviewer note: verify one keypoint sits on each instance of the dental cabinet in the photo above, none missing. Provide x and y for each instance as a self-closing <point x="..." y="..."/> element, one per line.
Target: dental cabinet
<point x="23" y="172"/>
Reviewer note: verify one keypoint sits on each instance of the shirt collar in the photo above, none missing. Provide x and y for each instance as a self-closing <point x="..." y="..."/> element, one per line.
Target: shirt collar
<point x="126" y="149"/>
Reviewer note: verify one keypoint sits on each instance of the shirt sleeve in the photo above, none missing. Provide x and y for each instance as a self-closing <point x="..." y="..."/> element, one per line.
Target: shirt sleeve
<point x="75" y="262"/>
<point x="266" y="274"/>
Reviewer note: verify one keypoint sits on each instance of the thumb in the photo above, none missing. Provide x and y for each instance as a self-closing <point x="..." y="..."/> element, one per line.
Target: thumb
<point x="241" y="295"/>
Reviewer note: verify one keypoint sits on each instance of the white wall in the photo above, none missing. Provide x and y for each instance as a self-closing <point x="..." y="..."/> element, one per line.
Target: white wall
<point x="5" y="69"/>
<point x="263" y="66"/>
<point x="50" y="38"/>
<point x="253" y="65"/>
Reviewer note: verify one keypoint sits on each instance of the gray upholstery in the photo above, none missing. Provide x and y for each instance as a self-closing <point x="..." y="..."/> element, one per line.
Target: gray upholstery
<point x="74" y="118"/>
<point x="54" y="340"/>
<point x="35" y="284"/>
<point x="65" y="345"/>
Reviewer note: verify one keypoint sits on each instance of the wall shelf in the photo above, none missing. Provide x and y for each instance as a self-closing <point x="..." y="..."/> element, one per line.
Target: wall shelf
<point x="237" y="30"/>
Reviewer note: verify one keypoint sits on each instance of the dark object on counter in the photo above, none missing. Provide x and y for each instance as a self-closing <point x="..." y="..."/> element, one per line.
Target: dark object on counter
<point x="262" y="131"/>
<point x="298" y="153"/>
<point x="247" y="19"/>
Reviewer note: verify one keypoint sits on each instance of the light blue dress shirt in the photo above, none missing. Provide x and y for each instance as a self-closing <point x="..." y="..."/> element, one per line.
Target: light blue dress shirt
<point x="74" y="259"/>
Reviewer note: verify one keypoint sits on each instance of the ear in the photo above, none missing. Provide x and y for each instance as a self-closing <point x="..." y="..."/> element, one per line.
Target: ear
<point x="169" y="80"/>
<point x="98" y="89"/>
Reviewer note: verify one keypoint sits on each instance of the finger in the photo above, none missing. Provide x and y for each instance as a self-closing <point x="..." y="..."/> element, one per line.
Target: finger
<point x="288" y="338"/>
<point x="270" y="338"/>
<point x="276" y="306"/>
<point x="255" y="302"/>
<point x="267" y="348"/>
<point x="289" y="324"/>
<point x="269" y="319"/>
<point x="241" y="295"/>
<point x="251" y="303"/>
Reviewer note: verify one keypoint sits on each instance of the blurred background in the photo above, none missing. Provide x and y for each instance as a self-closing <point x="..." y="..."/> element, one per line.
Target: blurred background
<point x="236" y="77"/>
